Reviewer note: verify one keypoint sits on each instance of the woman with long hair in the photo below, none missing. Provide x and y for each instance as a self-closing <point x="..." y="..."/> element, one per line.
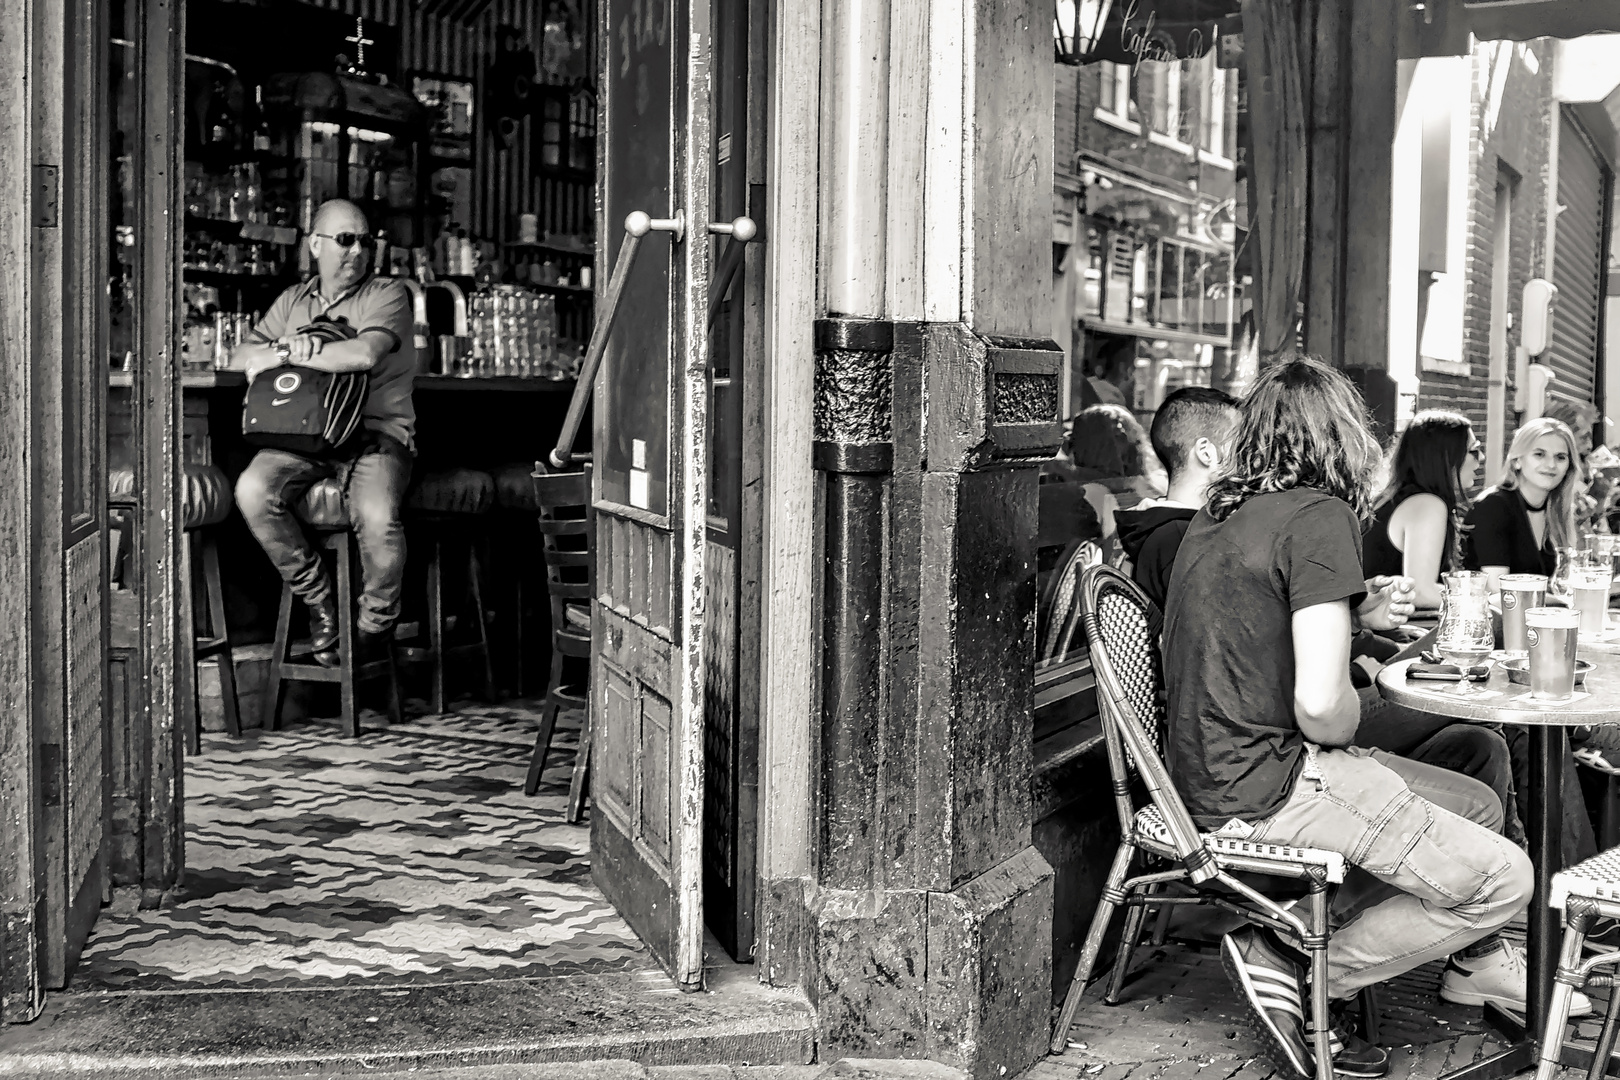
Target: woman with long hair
<point x="1415" y="526"/>
<point x="1265" y="595"/>
<point x="1518" y="526"/>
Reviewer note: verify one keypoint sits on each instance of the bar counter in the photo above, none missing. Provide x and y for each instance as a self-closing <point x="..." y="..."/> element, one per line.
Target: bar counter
<point x="485" y="423"/>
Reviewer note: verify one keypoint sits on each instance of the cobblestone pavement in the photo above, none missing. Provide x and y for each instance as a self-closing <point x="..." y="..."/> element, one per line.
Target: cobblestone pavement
<point x="1179" y="1019"/>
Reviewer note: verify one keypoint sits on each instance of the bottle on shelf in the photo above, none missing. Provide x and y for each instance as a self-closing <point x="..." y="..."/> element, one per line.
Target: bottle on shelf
<point x="380" y="257"/>
<point x="219" y="124"/>
<point x="261" y="126"/>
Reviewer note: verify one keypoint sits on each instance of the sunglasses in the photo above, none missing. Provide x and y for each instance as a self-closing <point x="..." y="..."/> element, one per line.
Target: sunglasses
<point x="1477" y="452"/>
<point x="349" y="239"/>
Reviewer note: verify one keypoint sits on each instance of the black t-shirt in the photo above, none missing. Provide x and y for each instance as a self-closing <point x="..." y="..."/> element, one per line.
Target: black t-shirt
<point x="1499" y="534"/>
<point x="1234" y="746"/>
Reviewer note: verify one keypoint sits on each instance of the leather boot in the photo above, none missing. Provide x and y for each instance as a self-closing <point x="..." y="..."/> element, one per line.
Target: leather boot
<point x="323" y="631"/>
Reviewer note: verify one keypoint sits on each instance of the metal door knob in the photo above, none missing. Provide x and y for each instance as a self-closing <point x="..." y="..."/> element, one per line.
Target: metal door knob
<point x="638" y="224"/>
<point x="740" y="229"/>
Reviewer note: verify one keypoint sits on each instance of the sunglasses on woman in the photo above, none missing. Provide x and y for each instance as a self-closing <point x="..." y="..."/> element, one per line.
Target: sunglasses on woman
<point x="349" y="239"/>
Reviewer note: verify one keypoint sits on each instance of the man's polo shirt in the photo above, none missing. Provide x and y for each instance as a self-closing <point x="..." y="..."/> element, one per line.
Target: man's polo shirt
<point x="376" y="303"/>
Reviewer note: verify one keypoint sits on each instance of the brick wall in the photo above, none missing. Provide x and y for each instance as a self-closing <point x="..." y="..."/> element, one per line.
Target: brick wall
<point x="1519" y="140"/>
<point x="1076" y="128"/>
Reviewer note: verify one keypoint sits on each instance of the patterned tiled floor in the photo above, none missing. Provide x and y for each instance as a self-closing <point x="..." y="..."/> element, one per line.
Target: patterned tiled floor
<point x="407" y="856"/>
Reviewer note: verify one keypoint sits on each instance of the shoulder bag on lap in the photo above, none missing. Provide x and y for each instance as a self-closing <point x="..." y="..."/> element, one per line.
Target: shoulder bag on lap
<point x="305" y="411"/>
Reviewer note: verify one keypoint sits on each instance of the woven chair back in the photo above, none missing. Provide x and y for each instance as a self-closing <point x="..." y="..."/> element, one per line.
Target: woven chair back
<point x="1122" y="626"/>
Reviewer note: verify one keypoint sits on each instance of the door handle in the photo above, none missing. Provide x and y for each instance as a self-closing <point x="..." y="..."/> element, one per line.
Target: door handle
<point x="741" y="230"/>
<point x="637" y="224"/>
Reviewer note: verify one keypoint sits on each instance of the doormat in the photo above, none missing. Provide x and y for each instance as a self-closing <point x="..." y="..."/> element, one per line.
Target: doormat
<point x="407" y="856"/>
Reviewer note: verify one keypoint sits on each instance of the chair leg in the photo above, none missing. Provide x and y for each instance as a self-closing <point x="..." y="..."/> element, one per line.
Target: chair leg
<point x="273" y="689"/>
<point x="1112" y="895"/>
<point x="542" y="746"/>
<point x="346" y="664"/>
<point x="516" y="631"/>
<point x="1135" y="916"/>
<point x="214" y="587"/>
<point x="1319" y="980"/>
<point x="188" y="586"/>
<point x="1609" y="814"/>
<point x="1161" y="926"/>
<point x="582" y="772"/>
<point x="435" y="619"/>
<point x="1604" y="1049"/>
<point x="1371" y="1018"/>
<point x="1552" y="1039"/>
<point x="475" y="583"/>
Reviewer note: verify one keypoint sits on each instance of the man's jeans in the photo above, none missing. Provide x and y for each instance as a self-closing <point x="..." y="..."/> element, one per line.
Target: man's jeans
<point x="275" y="481"/>
<point x="1471" y="749"/>
<point x="1433" y="875"/>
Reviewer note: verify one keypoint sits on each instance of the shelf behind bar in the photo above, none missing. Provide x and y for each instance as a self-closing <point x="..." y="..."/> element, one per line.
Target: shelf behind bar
<point x="228" y="378"/>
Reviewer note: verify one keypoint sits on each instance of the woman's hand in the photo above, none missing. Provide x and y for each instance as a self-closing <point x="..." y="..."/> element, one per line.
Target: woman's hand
<point x="1390" y="602"/>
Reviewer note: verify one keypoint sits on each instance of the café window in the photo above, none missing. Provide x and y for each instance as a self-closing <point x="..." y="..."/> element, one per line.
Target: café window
<point x="1115" y="103"/>
<point x="1172" y="91"/>
<point x="1216" y="101"/>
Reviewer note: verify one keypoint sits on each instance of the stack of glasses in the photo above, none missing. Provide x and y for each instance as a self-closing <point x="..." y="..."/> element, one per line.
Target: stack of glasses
<point x="514" y="333"/>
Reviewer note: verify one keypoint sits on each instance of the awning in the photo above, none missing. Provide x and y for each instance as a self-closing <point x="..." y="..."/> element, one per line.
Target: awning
<point x="1525" y="20"/>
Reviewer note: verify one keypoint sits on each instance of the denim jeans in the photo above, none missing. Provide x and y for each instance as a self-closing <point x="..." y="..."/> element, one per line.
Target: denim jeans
<point x="374" y="487"/>
<point x="1432" y="880"/>
<point x="1474" y="750"/>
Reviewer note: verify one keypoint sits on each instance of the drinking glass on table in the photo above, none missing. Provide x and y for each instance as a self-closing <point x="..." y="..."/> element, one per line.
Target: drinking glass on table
<point x="1465" y="636"/>
<point x="1520" y="593"/>
<point x="1589" y="596"/>
<point x="1553" y="634"/>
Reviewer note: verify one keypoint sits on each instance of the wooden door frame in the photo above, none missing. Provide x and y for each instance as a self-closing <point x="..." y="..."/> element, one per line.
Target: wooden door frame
<point x="21" y="860"/>
<point x="162" y="677"/>
<point x="788" y="654"/>
<point x="165" y="690"/>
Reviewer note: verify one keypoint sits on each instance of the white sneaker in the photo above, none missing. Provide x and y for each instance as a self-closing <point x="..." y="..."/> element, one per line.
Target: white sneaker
<point x="1499" y="976"/>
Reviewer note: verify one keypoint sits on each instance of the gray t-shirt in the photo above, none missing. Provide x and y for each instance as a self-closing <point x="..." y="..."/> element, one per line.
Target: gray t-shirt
<point x="1234" y="746"/>
<point x="381" y="304"/>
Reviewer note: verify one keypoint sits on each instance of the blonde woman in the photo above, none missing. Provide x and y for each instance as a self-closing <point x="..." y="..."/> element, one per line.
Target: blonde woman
<point x="1518" y="526"/>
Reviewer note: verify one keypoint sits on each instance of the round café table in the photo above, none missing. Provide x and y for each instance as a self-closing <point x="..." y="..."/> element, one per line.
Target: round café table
<point x="1498" y="701"/>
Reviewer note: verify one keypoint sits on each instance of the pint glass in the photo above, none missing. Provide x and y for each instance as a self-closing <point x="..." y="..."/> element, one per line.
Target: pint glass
<point x="1520" y="593"/>
<point x="1551" y="633"/>
<point x="1589" y="595"/>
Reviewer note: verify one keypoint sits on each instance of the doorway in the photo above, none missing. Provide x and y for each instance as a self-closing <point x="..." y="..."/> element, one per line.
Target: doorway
<point x="309" y="859"/>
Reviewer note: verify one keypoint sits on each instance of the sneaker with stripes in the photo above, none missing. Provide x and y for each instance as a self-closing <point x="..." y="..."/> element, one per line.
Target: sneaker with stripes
<point x="1272" y="982"/>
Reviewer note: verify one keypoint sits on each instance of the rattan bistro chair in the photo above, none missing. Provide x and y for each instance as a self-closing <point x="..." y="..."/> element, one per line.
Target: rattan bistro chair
<point x="1587" y="891"/>
<point x="1122" y="626"/>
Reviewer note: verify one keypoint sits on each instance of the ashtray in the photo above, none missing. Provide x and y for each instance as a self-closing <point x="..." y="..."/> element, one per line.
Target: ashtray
<point x="1518" y="670"/>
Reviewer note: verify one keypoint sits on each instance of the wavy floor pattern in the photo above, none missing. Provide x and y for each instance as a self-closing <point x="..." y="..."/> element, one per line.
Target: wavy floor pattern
<point x="409" y="855"/>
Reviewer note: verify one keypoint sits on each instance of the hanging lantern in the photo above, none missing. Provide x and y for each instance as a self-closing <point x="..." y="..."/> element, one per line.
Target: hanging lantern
<point x="1077" y="25"/>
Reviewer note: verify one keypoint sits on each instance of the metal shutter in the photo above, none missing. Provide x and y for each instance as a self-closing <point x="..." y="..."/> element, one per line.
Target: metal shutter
<point x="1577" y="263"/>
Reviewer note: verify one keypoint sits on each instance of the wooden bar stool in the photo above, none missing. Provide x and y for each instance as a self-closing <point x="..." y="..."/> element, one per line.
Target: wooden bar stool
<point x="449" y="509"/>
<point x="324" y="511"/>
<point x="568" y="533"/>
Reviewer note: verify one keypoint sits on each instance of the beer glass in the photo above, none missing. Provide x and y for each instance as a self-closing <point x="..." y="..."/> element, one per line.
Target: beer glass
<point x="1552" y="634"/>
<point x="1589" y="596"/>
<point x="1520" y="593"/>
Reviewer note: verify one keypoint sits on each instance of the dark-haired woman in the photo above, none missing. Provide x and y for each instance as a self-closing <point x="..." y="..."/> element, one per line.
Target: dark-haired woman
<point x="1414" y="530"/>
<point x="1265" y="596"/>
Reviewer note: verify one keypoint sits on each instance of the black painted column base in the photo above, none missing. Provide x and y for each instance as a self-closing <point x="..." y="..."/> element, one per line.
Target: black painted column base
<point x="926" y="924"/>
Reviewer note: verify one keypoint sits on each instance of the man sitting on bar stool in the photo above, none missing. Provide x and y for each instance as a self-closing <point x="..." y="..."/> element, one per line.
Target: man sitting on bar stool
<point x="379" y="311"/>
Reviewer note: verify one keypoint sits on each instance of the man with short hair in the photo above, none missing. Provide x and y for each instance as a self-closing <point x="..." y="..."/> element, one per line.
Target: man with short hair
<point x="377" y="314"/>
<point x="1190" y="433"/>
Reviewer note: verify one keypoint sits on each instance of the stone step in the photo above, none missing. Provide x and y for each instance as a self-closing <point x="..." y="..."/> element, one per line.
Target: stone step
<point x="622" y="1021"/>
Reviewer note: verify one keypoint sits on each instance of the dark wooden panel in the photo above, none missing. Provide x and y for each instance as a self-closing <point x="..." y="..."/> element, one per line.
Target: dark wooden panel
<point x="615" y="757"/>
<point x="642" y="895"/>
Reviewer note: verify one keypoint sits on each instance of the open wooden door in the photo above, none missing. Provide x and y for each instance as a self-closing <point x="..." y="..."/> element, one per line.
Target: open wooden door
<point x="651" y="477"/>
<point x="53" y="348"/>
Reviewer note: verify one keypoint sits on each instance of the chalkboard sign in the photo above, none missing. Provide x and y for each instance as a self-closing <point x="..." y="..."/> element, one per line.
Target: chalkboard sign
<point x="633" y="406"/>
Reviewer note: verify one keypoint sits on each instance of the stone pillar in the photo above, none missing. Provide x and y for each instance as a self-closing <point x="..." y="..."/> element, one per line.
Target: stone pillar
<point x="926" y="916"/>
